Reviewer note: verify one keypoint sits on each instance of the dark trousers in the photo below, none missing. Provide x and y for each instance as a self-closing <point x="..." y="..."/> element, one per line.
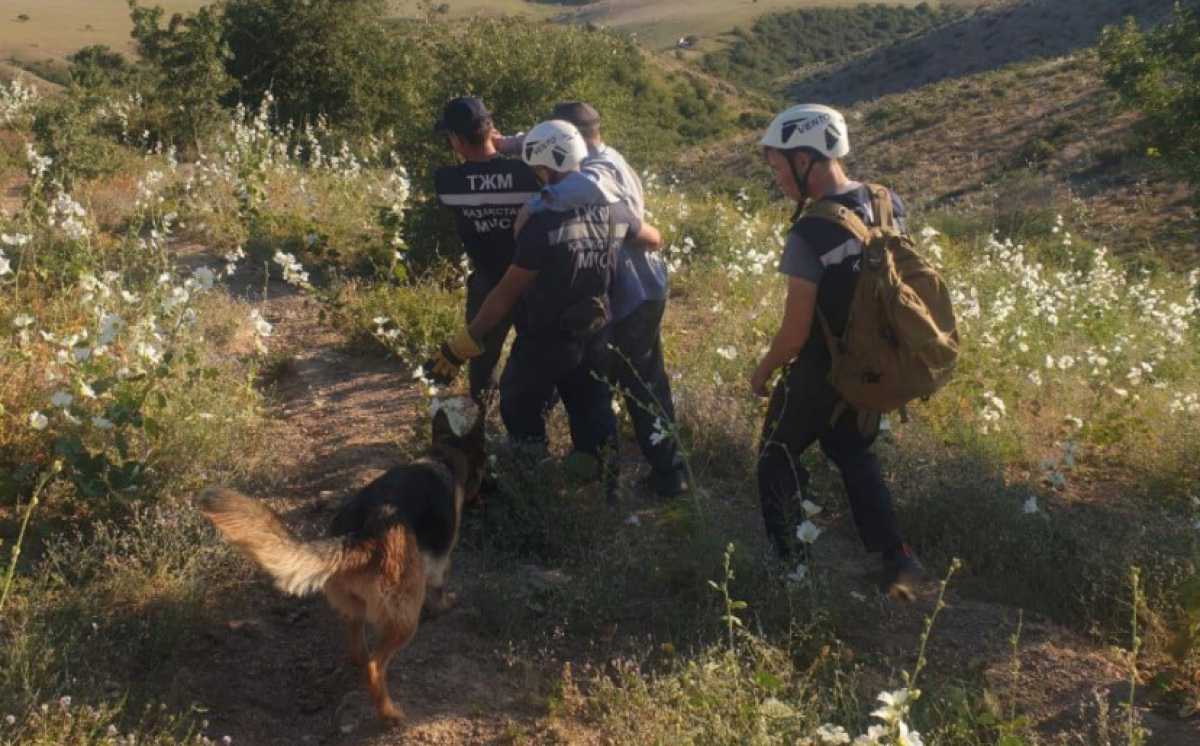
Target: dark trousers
<point x="637" y="367"/>
<point x="480" y="369"/>
<point x="799" y="415"/>
<point x="539" y="367"/>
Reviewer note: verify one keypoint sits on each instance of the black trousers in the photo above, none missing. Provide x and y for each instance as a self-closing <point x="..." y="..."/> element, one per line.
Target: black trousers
<point x="538" y="368"/>
<point x="799" y="414"/>
<point x="480" y="369"/>
<point x="637" y="367"/>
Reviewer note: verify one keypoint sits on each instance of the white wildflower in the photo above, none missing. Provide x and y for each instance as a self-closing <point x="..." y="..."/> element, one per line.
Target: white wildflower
<point x="38" y="421"/>
<point x="907" y="737"/>
<point x="810" y="508"/>
<point x="807" y="532"/>
<point x="22" y="320"/>
<point x="150" y="352"/>
<point x="729" y="352"/>
<point x="1031" y="505"/>
<point x="832" y="735"/>
<point x="204" y="277"/>
<point x="262" y="327"/>
<point x="798" y="575"/>
<point x="895" y="705"/>
<point x="61" y="399"/>
<point x="110" y="326"/>
<point x="872" y="737"/>
<point x="661" y="432"/>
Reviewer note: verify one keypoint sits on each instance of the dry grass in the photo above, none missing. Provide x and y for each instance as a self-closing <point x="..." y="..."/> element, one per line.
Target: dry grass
<point x="57" y="28"/>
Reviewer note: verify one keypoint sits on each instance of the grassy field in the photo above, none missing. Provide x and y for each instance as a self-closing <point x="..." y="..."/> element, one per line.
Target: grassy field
<point x="662" y="23"/>
<point x="55" y="28"/>
<point x="249" y="311"/>
<point x="579" y="624"/>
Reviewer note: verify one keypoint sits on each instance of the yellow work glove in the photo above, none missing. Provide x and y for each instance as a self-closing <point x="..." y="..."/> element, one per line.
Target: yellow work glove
<point x="443" y="366"/>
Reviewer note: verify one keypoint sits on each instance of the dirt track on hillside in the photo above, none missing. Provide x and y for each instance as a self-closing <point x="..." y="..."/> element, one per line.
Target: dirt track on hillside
<point x="273" y="670"/>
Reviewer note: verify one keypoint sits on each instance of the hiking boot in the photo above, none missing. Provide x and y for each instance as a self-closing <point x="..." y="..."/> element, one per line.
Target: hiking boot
<point x="902" y="572"/>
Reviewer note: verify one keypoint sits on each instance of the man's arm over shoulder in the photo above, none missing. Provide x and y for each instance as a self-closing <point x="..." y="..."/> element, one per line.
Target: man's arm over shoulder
<point x="509" y="145"/>
<point x="640" y="234"/>
<point x="578" y="189"/>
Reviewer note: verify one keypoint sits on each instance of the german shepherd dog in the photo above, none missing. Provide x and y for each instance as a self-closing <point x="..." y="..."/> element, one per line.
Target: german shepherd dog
<point x="388" y="550"/>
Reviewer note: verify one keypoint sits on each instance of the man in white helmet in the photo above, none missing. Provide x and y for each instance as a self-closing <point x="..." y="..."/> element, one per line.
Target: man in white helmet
<point x="558" y="283"/>
<point x="639" y="294"/>
<point x="804" y="147"/>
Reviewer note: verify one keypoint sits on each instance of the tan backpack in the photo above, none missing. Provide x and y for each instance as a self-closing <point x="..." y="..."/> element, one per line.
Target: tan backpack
<point x="900" y="341"/>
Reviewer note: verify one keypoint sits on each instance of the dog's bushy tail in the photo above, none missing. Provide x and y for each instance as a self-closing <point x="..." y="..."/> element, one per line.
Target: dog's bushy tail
<point x="297" y="567"/>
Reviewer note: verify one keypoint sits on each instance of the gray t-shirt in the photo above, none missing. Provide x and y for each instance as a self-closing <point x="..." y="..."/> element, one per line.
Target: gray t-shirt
<point x="827" y="255"/>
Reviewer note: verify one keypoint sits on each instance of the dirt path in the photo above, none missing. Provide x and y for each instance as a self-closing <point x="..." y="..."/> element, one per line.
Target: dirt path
<point x="272" y="671"/>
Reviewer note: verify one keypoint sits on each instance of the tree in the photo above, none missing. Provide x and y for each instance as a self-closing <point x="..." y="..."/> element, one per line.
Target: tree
<point x="98" y="66"/>
<point x="318" y="58"/>
<point x="1157" y="72"/>
<point x="186" y="60"/>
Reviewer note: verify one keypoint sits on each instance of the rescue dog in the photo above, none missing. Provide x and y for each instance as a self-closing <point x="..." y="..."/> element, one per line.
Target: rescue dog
<point x="388" y="551"/>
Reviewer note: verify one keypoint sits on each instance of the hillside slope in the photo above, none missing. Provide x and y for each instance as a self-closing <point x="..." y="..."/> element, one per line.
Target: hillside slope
<point x="1014" y="144"/>
<point x="998" y="33"/>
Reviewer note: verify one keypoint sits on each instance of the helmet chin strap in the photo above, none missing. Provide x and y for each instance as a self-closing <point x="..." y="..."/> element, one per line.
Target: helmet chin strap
<point x="801" y="184"/>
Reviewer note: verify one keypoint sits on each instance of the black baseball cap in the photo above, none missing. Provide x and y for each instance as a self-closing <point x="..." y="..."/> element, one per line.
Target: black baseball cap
<point x="462" y="116"/>
<point x="576" y="112"/>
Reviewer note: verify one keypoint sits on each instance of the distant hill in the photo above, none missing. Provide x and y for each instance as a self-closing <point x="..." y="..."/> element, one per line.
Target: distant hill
<point x="779" y="43"/>
<point x="1016" y="144"/>
<point x="998" y="33"/>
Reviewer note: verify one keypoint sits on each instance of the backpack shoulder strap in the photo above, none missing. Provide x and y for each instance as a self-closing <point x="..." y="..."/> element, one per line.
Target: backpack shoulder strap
<point x="827" y="209"/>
<point x="881" y="206"/>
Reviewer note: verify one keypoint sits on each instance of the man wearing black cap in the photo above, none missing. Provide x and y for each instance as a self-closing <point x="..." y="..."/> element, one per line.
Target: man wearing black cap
<point x="638" y="295"/>
<point x="484" y="192"/>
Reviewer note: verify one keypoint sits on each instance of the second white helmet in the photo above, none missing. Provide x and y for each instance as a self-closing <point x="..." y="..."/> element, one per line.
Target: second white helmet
<point x="809" y="126"/>
<point x="555" y="144"/>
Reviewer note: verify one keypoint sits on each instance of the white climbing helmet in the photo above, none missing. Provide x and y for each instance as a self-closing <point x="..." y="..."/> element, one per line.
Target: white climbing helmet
<point x="555" y="144"/>
<point x="809" y="126"/>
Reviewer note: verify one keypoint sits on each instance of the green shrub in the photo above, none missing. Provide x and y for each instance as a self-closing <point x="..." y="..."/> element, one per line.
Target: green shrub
<point x="99" y="67"/>
<point x="1156" y="73"/>
<point x="67" y="131"/>
<point x="324" y="58"/>
<point x="186" y="62"/>
<point x="779" y="43"/>
<point x="113" y="606"/>
<point x="409" y="320"/>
